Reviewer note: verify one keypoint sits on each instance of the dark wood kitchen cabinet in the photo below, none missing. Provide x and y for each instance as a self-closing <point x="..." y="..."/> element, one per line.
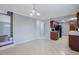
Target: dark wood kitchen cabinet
<point x="51" y="24"/>
<point x="74" y="42"/>
<point x="74" y="38"/>
<point x="73" y="26"/>
<point x="54" y="35"/>
<point x="78" y="19"/>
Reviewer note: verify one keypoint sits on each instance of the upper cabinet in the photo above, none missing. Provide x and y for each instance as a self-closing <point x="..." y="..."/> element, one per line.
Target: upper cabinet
<point x="73" y="25"/>
<point x="53" y="24"/>
<point x="78" y="19"/>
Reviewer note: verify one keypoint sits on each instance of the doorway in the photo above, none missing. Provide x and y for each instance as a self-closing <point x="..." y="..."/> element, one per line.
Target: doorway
<point x="40" y="29"/>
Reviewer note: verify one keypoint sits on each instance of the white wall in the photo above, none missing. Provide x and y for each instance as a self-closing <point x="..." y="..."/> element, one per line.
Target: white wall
<point x="65" y="28"/>
<point x="24" y="28"/>
<point x="47" y="29"/>
<point x="40" y="29"/>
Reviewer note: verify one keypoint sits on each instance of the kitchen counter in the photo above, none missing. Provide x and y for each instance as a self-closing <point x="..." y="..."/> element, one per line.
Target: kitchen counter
<point x="74" y="40"/>
<point x="54" y="35"/>
<point x="74" y="33"/>
<point x="53" y="31"/>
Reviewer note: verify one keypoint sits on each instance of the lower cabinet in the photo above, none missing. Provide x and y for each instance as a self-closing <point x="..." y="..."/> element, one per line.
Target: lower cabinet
<point x="74" y="42"/>
<point x="54" y="35"/>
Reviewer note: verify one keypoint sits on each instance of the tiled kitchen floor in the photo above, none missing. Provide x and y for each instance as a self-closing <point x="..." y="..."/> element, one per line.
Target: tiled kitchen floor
<point x="41" y="47"/>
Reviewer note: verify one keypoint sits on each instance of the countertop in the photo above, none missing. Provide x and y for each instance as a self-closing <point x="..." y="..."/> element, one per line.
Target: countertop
<point x="74" y="33"/>
<point x="53" y="31"/>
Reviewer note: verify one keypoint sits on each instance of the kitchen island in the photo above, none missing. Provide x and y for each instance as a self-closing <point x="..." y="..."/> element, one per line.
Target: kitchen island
<point x="54" y="35"/>
<point x="74" y="40"/>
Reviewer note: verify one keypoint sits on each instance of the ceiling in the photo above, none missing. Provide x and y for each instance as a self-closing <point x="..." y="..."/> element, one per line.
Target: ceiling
<point x="47" y="11"/>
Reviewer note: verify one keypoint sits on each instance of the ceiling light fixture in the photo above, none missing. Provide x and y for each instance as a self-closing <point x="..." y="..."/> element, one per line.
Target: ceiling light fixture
<point x="34" y="11"/>
<point x="74" y="18"/>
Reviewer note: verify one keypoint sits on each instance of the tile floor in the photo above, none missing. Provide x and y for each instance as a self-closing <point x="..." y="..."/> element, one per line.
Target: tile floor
<point x="41" y="47"/>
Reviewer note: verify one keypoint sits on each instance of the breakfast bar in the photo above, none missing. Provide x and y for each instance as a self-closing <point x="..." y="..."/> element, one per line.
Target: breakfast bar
<point x="74" y="40"/>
